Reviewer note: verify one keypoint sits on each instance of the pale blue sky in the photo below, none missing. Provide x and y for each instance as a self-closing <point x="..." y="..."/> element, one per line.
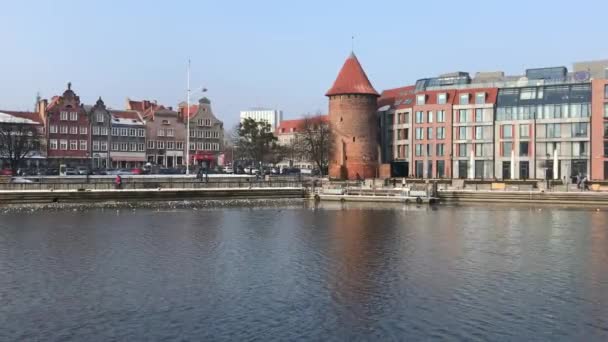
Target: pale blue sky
<point x="282" y="54"/>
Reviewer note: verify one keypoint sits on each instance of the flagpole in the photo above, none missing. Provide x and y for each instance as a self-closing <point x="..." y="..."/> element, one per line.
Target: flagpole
<point x="188" y="124"/>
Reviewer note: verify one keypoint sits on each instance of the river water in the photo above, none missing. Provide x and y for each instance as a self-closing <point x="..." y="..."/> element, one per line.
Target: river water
<point x="335" y="272"/>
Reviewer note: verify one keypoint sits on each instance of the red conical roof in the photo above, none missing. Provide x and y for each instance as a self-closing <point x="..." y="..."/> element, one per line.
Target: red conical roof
<point x="352" y="80"/>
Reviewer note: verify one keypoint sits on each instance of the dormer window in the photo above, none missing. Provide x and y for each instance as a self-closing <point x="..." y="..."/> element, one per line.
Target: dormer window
<point x="480" y="98"/>
<point x="420" y="99"/>
<point x="442" y="98"/>
<point x="464" y="99"/>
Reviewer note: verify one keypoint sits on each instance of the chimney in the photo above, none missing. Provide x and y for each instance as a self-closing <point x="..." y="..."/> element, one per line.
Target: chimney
<point x="42" y="104"/>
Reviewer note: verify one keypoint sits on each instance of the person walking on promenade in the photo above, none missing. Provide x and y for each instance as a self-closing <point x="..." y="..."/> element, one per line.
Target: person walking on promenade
<point x="118" y="182"/>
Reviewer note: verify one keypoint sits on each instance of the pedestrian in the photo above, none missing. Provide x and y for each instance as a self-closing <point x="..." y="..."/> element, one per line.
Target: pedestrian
<point x="394" y="182"/>
<point x="578" y="181"/>
<point x="585" y="183"/>
<point x="118" y="182"/>
<point x="199" y="174"/>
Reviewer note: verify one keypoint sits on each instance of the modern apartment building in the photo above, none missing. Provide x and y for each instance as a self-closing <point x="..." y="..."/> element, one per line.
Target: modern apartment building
<point x="271" y="116"/>
<point x="396" y="116"/>
<point x="599" y="128"/>
<point x="473" y="133"/>
<point x="432" y="133"/>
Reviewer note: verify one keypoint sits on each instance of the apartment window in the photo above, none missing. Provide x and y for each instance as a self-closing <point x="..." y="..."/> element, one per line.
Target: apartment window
<point x="124" y="132"/>
<point x="200" y="122"/>
<point x="53" y="129"/>
<point x="73" y="116"/>
<point x="83" y="145"/>
<point x="462" y="115"/>
<point x="151" y="144"/>
<point x="524" y="131"/>
<point x="124" y="146"/>
<point x="462" y="133"/>
<point x="441" y="116"/>
<point x="179" y="145"/>
<point x="115" y="131"/>
<point x="161" y="145"/>
<point x="478" y="150"/>
<point x="464" y="99"/>
<point x="527" y="94"/>
<point x="95" y="130"/>
<point x="480" y="98"/>
<point x="462" y="150"/>
<point x="63" y="144"/>
<point x="442" y="98"/>
<point x="524" y="146"/>
<point x="478" y="115"/>
<point x="479" y="132"/>
<point x="132" y="132"/>
<point x="420" y="99"/>
<point x="193" y="133"/>
<point x="170" y="132"/>
<point x="208" y="122"/>
<point x="141" y="147"/>
<point x="506" y="148"/>
<point x="429" y="116"/>
<point x="161" y="132"/>
<point x="606" y="91"/>
<point x="605" y="149"/>
<point x="132" y="146"/>
<point x="73" y="145"/>
<point x="553" y="130"/>
<point x="200" y="146"/>
<point x="73" y="129"/>
<point x="141" y="132"/>
<point x="115" y="146"/>
<point x="507" y="131"/>
<point x="605" y="129"/>
<point x="418" y="149"/>
<point x="99" y="117"/>
<point x="551" y="147"/>
<point x="103" y="145"/>
<point x="440" y="133"/>
<point x="440" y="150"/>
<point x="606" y="110"/>
<point x="429" y="149"/>
<point x="579" y="149"/>
<point x="419" y="133"/>
<point x="419" y="117"/>
<point x="53" y="144"/>
<point x="103" y="130"/>
<point x="170" y="145"/>
<point x="64" y="116"/>
<point x="579" y="129"/>
<point x="95" y="145"/>
<point x="83" y="129"/>
<point x="429" y="133"/>
<point x="192" y="146"/>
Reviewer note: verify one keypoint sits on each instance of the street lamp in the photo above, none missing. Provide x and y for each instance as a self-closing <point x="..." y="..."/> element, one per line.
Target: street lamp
<point x="202" y="90"/>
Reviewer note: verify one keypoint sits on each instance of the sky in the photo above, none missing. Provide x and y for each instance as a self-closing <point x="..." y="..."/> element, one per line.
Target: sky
<point x="278" y="54"/>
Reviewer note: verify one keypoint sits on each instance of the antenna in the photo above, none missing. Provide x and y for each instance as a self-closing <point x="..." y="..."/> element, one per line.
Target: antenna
<point x="352" y="43"/>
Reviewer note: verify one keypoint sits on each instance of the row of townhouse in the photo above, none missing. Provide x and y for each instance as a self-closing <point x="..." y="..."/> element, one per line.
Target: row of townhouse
<point x="547" y="124"/>
<point x="98" y="137"/>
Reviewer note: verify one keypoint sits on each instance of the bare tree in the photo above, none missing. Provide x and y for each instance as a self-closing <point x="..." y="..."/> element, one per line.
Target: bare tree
<point x="18" y="141"/>
<point x="315" y="141"/>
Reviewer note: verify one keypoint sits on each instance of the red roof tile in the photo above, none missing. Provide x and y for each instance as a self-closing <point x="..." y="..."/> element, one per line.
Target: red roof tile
<point x="351" y="79"/>
<point x="290" y="126"/>
<point x="397" y="97"/>
<point x="126" y="114"/>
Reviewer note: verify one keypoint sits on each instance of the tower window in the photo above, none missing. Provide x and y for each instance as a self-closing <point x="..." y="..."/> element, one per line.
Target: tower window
<point x="353" y="139"/>
<point x="340" y="119"/>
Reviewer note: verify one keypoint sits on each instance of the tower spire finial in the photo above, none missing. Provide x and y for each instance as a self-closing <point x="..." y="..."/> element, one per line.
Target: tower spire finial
<point x="352" y="44"/>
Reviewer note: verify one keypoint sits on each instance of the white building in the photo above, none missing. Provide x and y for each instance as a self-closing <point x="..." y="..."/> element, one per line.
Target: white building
<point x="272" y="116"/>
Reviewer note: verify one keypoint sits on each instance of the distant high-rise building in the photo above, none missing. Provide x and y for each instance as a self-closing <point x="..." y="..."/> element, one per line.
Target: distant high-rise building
<point x="272" y="116"/>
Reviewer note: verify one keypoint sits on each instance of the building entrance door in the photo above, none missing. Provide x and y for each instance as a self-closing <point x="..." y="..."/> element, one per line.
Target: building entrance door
<point x="479" y="169"/>
<point x="524" y="169"/>
<point x="506" y="170"/>
<point x="463" y="168"/>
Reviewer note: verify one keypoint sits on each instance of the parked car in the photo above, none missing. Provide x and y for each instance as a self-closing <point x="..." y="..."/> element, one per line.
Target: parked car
<point x="70" y="171"/>
<point x="82" y="170"/>
<point x="6" y="172"/>
<point x="100" y="172"/>
<point x="291" y="171"/>
<point x="137" y="171"/>
<point x="21" y="180"/>
<point x="51" y="172"/>
<point x="306" y="171"/>
<point x="228" y="169"/>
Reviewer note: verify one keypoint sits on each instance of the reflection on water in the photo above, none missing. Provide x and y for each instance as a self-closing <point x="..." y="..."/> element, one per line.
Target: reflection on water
<point x="336" y="271"/>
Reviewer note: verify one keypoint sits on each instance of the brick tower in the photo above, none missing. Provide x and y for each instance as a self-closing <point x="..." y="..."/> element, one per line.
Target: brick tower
<point x="352" y="115"/>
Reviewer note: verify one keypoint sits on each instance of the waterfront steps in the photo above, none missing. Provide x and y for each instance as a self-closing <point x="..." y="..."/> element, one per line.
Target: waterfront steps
<point x="536" y="197"/>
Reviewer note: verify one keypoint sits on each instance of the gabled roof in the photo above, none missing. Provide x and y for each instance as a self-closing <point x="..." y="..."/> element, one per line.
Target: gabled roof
<point x="126" y="117"/>
<point x="351" y="79"/>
